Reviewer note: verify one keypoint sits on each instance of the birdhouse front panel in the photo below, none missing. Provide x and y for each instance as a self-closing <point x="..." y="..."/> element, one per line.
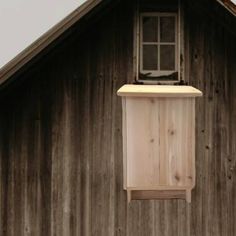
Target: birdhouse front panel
<point x="158" y="137"/>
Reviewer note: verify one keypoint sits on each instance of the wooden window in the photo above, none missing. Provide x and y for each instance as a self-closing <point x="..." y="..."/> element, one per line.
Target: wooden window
<point x="158" y="47"/>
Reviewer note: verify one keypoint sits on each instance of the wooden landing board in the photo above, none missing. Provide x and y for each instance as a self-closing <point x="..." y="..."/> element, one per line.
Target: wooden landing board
<point x="160" y="195"/>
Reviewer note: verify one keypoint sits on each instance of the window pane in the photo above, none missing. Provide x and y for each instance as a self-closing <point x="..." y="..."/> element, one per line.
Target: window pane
<point x="150" y="29"/>
<point x="149" y="57"/>
<point x="167" y="29"/>
<point x="167" y="57"/>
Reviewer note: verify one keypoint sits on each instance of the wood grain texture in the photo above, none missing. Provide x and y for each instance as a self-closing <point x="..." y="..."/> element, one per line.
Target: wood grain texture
<point x="163" y="194"/>
<point x="159" y="137"/>
<point x="61" y="144"/>
<point x="129" y="90"/>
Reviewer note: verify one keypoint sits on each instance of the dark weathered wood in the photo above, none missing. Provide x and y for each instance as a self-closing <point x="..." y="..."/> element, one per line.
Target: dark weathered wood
<point x="212" y="57"/>
<point x="61" y="143"/>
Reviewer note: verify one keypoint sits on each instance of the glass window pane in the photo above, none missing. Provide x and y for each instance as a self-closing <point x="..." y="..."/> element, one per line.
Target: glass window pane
<point x="167" y="29"/>
<point x="167" y="57"/>
<point x="149" y="57"/>
<point x="150" y="26"/>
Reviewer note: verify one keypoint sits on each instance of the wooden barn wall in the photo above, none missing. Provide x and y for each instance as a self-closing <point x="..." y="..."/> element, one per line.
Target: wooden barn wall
<point x="61" y="145"/>
<point x="211" y="66"/>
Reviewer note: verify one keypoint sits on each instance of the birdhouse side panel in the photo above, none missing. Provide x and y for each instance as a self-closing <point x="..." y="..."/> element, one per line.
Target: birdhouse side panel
<point x="177" y="143"/>
<point x="143" y="141"/>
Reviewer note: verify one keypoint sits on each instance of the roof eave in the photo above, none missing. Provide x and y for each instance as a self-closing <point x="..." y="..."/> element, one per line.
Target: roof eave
<point x="36" y="47"/>
<point x="230" y="6"/>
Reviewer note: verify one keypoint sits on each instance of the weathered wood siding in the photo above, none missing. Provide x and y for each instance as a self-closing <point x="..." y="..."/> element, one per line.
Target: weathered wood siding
<point x="211" y="66"/>
<point x="61" y="144"/>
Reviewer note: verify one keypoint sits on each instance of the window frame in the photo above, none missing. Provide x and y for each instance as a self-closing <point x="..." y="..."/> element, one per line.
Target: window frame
<point x="157" y="73"/>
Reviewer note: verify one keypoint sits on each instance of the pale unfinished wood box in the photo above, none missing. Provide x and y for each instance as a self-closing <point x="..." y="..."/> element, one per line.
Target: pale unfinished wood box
<point x="158" y="141"/>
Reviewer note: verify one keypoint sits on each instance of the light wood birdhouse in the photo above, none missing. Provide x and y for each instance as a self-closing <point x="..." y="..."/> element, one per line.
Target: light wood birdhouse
<point x="158" y="141"/>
